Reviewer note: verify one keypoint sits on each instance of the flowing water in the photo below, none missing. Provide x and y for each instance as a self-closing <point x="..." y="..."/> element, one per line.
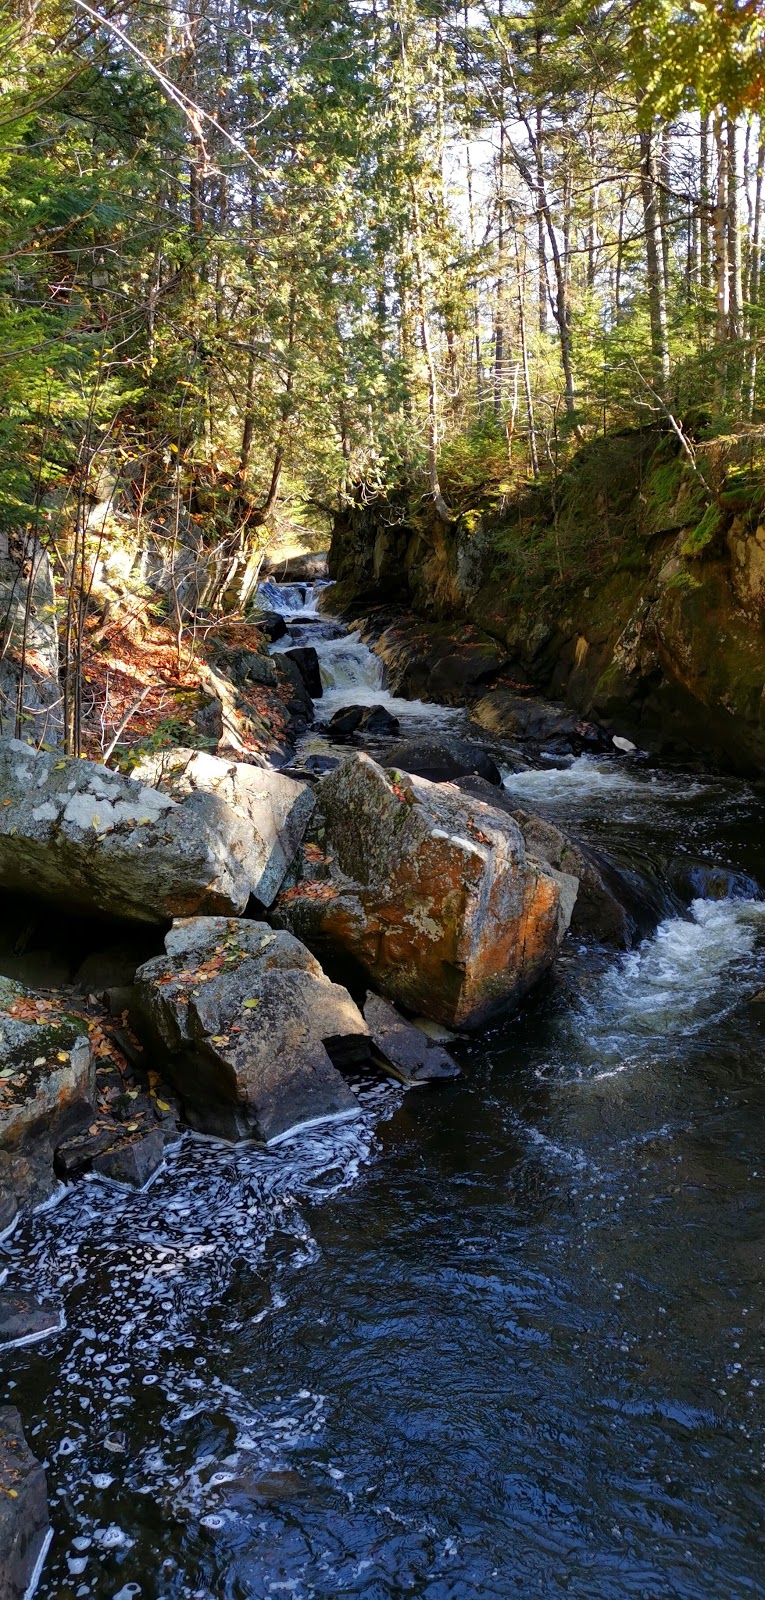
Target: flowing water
<point x="501" y="1337"/>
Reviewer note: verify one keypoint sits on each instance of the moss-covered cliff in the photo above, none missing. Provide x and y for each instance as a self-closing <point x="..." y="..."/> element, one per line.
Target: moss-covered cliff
<point x="632" y="585"/>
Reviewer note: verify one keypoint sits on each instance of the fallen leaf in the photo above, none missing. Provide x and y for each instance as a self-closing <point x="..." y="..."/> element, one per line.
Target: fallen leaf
<point x="249" y="1005"/>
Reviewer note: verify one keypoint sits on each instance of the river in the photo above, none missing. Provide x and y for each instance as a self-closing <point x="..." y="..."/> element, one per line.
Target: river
<point x="493" y="1338"/>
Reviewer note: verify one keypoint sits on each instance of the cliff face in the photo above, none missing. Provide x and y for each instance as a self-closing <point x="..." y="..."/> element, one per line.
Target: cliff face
<point x="624" y="587"/>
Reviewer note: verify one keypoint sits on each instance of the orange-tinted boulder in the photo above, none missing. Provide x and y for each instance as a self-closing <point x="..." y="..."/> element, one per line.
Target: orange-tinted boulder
<point x="428" y="893"/>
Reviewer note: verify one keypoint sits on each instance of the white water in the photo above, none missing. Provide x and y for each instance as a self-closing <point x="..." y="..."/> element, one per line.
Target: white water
<point x="593" y="780"/>
<point x="690" y="971"/>
<point x="351" y="673"/>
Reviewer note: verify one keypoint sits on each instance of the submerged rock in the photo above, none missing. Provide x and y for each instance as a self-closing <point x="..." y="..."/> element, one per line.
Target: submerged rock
<point x="411" y="1055"/>
<point x="248" y="1025"/>
<point x="426" y="892"/>
<point x="24" y="1525"/>
<point x="75" y="832"/>
<point x="275" y="808"/>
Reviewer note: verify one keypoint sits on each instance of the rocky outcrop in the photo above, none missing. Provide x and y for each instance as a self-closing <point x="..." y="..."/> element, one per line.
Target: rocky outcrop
<point x="248" y="1026"/>
<point x="24" y="1525"/>
<point x="75" y="832"/>
<point x="275" y="809"/>
<point x="436" y="660"/>
<point x="428" y="894"/>
<point x="47" y="1088"/>
<point x="527" y="720"/>
<point x="310" y="567"/>
<point x="634" y="596"/>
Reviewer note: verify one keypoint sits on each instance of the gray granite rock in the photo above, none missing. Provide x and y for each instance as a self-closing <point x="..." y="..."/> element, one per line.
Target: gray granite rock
<point x="247" y="1024"/>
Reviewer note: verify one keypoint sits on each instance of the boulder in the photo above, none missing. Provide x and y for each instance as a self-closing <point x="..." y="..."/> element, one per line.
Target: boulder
<point x="275" y="809"/>
<point x="307" y="662"/>
<point x="24" y="1525"/>
<point x="292" y="689"/>
<point x="377" y="720"/>
<point x="508" y="715"/>
<point x="75" y="832"/>
<point x="597" y="912"/>
<point x="443" y="759"/>
<point x="248" y="1026"/>
<point x="272" y="623"/>
<point x="409" y="1054"/>
<point x="428" y="894"/>
<point x="47" y="1088"/>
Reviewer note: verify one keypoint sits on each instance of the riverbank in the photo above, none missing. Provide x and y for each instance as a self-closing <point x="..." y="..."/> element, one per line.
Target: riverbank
<point x="632" y="585"/>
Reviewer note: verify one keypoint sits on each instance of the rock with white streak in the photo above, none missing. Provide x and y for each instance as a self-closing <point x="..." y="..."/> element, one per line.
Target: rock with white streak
<point x="276" y="808"/>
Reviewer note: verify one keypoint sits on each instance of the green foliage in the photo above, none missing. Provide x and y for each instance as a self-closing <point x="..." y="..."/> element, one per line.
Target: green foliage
<point x="705" y="532"/>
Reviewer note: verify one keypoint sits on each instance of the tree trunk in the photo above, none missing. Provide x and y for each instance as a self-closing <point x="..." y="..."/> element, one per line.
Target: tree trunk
<point x="657" y="300"/>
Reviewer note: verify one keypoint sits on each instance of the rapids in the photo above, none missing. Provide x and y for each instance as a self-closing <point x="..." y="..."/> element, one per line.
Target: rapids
<point x="501" y="1337"/>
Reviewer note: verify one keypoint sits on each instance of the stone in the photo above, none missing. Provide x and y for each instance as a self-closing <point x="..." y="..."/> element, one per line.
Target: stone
<point x="624" y="745"/>
<point x="410" y="1054"/>
<point x="209" y="721"/>
<point x="24" y="1524"/>
<point x="272" y="623"/>
<point x="307" y="662"/>
<point x="443" y="759"/>
<point x="24" y="1319"/>
<point x="440" y="661"/>
<point x="246" y="667"/>
<point x="425" y="892"/>
<point x="506" y="714"/>
<point x="47" y="1088"/>
<point x="597" y="912"/>
<point x="297" y="700"/>
<point x="132" y="1161"/>
<point x="247" y="1024"/>
<point x="79" y="834"/>
<point x="376" y="720"/>
<point x="275" y="809"/>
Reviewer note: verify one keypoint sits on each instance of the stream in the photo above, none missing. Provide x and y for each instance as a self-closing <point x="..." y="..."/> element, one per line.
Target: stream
<point x="493" y="1338"/>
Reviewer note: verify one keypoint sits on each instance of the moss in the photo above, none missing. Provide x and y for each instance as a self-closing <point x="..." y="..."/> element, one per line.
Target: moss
<point x="705" y="532"/>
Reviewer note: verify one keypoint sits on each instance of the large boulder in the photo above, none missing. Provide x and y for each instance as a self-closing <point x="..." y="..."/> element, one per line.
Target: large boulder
<point x="307" y="662"/>
<point x="47" y="1090"/>
<point x="275" y="808"/>
<point x="75" y="832"/>
<point x="597" y="912"/>
<point x="24" y="1525"/>
<point x="309" y="567"/>
<point x="248" y="1026"/>
<point x="428" y="894"/>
